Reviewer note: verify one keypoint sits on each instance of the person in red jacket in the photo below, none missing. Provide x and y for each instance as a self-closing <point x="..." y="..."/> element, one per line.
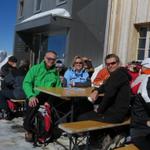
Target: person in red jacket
<point x="101" y="77"/>
<point x="134" y="69"/>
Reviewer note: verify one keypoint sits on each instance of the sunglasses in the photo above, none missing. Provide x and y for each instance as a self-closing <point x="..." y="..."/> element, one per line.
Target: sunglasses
<point x="112" y="63"/>
<point x="78" y="63"/>
<point x="50" y="59"/>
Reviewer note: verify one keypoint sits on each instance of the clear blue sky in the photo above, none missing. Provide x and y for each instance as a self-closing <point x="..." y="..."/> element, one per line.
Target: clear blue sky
<point x="7" y="24"/>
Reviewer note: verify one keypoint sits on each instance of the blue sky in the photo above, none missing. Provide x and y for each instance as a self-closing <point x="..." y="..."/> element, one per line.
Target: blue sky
<point x="7" y="24"/>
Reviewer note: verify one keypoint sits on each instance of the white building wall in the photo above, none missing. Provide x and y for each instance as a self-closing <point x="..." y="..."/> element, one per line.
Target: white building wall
<point x="125" y="17"/>
<point x="143" y="11"/>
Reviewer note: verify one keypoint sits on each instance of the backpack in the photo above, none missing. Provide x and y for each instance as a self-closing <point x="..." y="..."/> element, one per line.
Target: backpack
<point x="42" y="125"/>
<point x="11" y="106"/>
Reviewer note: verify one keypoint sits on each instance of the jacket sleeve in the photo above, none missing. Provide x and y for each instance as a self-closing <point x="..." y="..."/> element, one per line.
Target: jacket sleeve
<point x="28" y="83"/>
<point x="58" y="82"/>
<point x="111" y="88"/>
<point x="144" y="90"/>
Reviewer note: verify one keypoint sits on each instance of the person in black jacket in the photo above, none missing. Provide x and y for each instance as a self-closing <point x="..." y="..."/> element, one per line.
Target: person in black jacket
<point x="114" y="105"/>
<point x="13" y="85"/>
<point x="7" y="68"/>
<point x="10" y="65"/>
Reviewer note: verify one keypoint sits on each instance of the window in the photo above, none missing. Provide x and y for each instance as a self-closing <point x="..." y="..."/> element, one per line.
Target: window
<point x="58" y="43"/>
<point x="59" y="2"/>
<point x="21" y="6"/>
<point x="37" y="6"/>
<point x="144" y="43"/>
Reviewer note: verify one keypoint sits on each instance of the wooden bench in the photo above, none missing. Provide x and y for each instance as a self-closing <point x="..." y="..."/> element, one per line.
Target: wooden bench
<point x="21" y="103"/>
<point x="18" y="101"/>
<point x="128" y="147"/>
<point x="74" y="128"/>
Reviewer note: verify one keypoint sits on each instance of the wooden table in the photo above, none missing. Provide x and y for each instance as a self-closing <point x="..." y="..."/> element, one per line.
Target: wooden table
<point x="66" y="94"/>
<point x="128" y="147"/>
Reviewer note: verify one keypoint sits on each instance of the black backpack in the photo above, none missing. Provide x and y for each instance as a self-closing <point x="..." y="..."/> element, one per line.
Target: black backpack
<point x="42" y="125"/>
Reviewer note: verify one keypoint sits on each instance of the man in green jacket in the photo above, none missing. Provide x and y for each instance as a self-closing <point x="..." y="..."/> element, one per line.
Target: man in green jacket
<point x="40" y="75"/>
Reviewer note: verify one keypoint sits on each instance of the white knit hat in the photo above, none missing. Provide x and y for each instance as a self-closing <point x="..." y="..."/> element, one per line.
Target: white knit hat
<point x="146" y="63"/>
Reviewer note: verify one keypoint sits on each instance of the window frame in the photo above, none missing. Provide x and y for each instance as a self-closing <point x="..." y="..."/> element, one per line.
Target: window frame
<point x="21" y="8"/>
<point x="146" y="47"/>
<point x="58" y="2"/>
<point x="35" y="6"/>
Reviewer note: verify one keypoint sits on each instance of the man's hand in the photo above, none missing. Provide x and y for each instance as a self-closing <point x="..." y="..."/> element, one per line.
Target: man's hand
<point x="94" y="95"/>
<point x="33" y="101"/>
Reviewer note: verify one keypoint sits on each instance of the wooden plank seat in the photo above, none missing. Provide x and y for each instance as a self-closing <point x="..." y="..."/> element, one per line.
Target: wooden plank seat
<point x="20" y="103"/>
<point x="128" y="147"/>
<point x="74" y="128"/>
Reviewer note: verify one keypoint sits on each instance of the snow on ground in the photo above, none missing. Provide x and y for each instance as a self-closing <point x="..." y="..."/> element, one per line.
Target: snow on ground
<point x="12" y="137"/>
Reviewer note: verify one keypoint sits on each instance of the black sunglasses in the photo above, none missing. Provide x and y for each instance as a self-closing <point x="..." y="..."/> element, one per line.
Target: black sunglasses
<point x="112" y="63"/>
<point x="50" y="59"/>
<point x="78" y="62"/>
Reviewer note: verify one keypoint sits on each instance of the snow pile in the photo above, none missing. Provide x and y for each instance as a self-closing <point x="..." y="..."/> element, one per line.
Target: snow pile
<point x="12" y="137"/>
<point x="54" y="12"/>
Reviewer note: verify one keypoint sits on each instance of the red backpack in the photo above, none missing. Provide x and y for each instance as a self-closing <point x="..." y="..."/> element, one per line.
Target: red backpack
<point x="42" y="125"/>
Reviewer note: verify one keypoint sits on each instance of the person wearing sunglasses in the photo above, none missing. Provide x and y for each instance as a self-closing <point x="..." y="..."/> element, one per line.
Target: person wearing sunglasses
<point x="39" y="75"/>
<point x="116" y="91"/>
<point x="104" y="73"/>
<point x="77" y="76"/>
<point x="114" y="105"/>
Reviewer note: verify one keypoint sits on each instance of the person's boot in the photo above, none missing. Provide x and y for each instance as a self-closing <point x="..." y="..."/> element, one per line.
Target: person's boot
<point x="8" y="115"/>
<point x="28" y="136"/>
